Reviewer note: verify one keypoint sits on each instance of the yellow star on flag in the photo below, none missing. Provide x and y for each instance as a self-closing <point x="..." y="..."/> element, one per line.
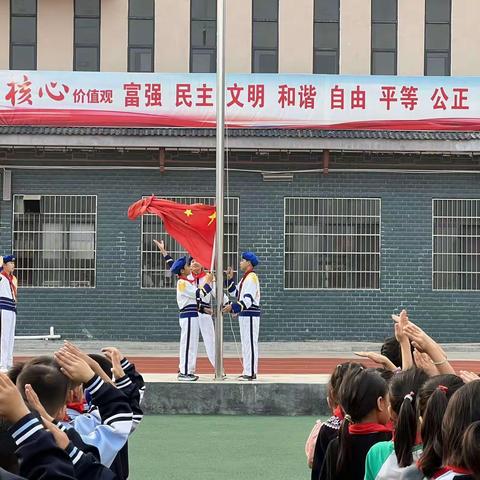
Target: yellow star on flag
<point x="212" y="218"/>
<point x="188" y="213"/>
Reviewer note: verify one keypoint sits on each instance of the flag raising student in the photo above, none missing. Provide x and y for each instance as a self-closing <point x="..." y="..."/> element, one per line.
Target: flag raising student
<point x="8" y="310"/>
<point x="198" y="276"/>
<point x="187" y="297"/>
<point x="247" y="306"/>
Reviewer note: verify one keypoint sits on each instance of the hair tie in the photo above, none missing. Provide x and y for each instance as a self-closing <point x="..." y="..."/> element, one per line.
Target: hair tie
<point x="443" y="388"/>
<point x="348" y="418"/>
<point x="409" y="396"/>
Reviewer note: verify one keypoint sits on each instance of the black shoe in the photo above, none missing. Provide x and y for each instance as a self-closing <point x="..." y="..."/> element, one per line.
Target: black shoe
<point x="187" y="378"/>
<point x="246" y="378"/>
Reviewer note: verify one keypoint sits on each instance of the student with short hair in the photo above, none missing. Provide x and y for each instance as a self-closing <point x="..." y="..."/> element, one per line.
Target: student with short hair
<point x="247" y="306"/>
<point x="188" y="295"/>
<point x="363" y="396"/>
<point x="8" y="310"/>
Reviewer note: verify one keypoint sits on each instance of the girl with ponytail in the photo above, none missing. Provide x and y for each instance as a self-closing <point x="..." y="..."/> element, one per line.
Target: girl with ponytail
<point x="432" y="403"/>
<point x="388" y="460"/>
<point x="462" y="412"/>
<point x="363" y="397"/>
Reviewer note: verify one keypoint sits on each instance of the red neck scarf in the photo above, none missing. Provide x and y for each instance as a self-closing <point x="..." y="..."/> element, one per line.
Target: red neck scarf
<point x="77" y="406"/>
<point x="196" y="278"/>
<point x="366" y="428"/>
<point x="11" y="281"/>
<point x="338" y="412"/>
<point x="245" y="275"/>
<point x="450" y="468"/>
<point x="190" y="280"/>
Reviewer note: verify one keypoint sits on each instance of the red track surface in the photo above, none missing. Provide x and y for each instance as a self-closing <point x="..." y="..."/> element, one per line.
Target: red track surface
<point x="280" y="366"/>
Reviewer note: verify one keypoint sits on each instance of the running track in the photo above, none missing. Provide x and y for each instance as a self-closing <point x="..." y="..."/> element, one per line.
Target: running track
<point x="266" y="365"/>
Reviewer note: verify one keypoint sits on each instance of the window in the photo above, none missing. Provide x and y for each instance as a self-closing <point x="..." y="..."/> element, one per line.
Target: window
<point x="203" y="36"/>
<point x="265" y="36"/>
<point x="141" y="25"/>
<point x="437" y="37"/>
<point x="456" y="244"/>
<point x="332" y="243"/>
<point x="54" y="238"/>
<point x="326" y="36"/>
<point x="86" y="55"/>
<point x="155" y="273"/>
<point x="23" y="34"/>
<point x="384" y="37"/>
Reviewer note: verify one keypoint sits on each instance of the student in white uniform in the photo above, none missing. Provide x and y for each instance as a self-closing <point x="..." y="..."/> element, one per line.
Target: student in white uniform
<point x="205" y="319"/>
<point x="188" y="297"/>
<point x="247" y="306"/>
<point x="8" y="310"/>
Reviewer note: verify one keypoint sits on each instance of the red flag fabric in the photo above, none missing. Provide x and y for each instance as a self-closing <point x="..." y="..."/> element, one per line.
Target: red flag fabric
<point x="192" y="226"/>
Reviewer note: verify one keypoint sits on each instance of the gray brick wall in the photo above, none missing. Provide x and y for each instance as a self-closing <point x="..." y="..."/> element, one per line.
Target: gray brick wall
<point x="118" y="309"/>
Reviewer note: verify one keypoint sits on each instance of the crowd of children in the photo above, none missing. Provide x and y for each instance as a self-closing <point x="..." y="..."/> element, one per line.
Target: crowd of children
<point x="69" y="416"/>
<point x="413" y="418"/>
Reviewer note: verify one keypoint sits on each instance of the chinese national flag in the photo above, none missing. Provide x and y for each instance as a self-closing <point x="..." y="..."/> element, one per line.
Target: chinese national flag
<point x="192" y="226"/>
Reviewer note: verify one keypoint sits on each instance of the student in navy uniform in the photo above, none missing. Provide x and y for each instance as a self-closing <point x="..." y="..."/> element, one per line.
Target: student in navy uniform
<point x="247" y="306"/>
<point x="103" y="431"/>
<point x="188" y="296"/>
<point x="8" y="310"/>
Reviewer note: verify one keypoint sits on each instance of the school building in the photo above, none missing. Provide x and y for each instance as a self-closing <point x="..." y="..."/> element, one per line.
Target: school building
<point x="375" y="208"/>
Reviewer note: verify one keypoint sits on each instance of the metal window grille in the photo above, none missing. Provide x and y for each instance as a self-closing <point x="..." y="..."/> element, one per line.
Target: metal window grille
<point x="332" y="243"/>
<point x="155" y="273"/>
<point x="54" y="239"/>
<point x="456" y="244"/>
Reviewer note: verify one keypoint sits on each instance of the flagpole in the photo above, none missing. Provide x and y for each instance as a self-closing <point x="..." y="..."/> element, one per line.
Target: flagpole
<point x="219" y="186"/>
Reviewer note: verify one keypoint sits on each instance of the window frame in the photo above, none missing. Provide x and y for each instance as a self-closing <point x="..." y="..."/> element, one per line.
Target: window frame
<point x="434" y="50"/>
<point x="434" y="252"/>
<point x="95" y="251"/>
<point x="12" y="44"/>
<point x="185" y="199"/>
<point x="269" y="49"/>
<point x="342" y="289"/>
<point x="82" y="45"/>
<point x="206" y="49"/>
<point x="384" y="50"/>
<point x="316" y="50"/>
<point x="131" y="46"/>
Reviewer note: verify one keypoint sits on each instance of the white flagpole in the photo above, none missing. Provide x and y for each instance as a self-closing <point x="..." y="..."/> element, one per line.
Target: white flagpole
<point x="219" y="186"/>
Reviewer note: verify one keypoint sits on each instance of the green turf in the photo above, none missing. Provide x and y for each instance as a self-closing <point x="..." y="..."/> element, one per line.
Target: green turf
<point x="181" y="447"/>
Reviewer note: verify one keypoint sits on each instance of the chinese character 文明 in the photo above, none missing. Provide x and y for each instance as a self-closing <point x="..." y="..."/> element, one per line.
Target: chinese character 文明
<point x="409" y="97"/>
<point x="20" y="92"/>
<point x="204" y="96"/>
<point x="132" y="98"/>
<point x="256" y="95"/>
<point x="53" y="93"/>
<point x="235" y="92"/>
<point x="307" y="96"/>
<point x="286" y="96"/>
<point x="388" y="95"/>
<point x="439" y="98"/>
<point x="153" y="94"/>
